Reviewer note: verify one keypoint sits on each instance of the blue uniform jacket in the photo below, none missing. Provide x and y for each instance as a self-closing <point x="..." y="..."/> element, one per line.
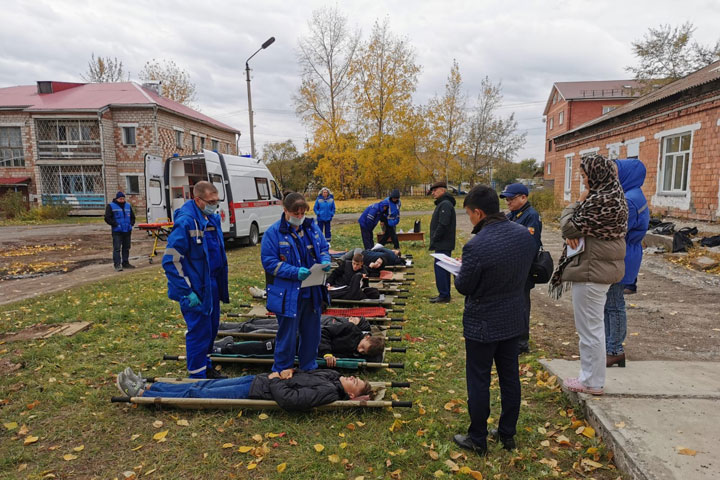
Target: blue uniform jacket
<point x="281" y="262"/>
<point x="377" y="212"/>
<point x="631" y="173"/>
<point x="324" y="208"/>
<point x="123" y="215"/>
<point x="530" y="218"/>
<point x="393" y="214"/>
<point x="187" y="262"/>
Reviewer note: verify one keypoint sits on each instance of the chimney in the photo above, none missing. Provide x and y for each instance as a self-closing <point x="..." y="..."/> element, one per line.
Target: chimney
<point x="49" y="86"/>
<point x="44" y="87"/>
<point x="153" y="85"/>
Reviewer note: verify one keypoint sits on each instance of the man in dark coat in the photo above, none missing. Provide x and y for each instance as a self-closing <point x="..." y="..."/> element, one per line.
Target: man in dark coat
<point x="516" y="196"/>
<point x="442" y="236"/>
<point x="120" y="216"/>
<point x="352" y="275"/>
<point x="495" y="265"/>
<point x="301" y="391"/>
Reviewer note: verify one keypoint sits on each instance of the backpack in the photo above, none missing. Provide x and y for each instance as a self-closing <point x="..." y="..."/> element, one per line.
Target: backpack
<point x="542" y="267"/>
<point x="682" y="240"/>
<point x="664" y="228"/>
<point x="416" y="227"/>
<point x="713" y="241"/>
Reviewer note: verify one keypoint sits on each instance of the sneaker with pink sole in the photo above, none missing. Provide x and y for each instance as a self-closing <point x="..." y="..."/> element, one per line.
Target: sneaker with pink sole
<point x="575" y="385"/>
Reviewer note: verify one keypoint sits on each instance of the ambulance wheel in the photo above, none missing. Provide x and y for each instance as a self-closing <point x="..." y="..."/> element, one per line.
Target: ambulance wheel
<point x="254" y="236"/>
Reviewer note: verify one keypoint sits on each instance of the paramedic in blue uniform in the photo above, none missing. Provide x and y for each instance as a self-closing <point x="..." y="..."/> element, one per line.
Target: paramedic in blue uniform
<point x="393" y="218"/>
<point x="196" y="268"/>
<point x="377" y="212"/>
<point x="516" y="196"/>
<point x="120" y="216"/>
<point x="290" y="247"/>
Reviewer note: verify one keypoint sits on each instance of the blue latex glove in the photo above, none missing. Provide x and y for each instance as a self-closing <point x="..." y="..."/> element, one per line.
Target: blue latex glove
<point x="193" y="300"/>
<point x="327" y="266"/>
<point x="303" y="273"/>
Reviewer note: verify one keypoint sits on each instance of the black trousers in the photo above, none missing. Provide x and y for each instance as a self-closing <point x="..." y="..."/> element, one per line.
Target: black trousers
<point x="479" y="359"/>
<point x="121" y="244"/>
<point x="367" y="238"/>
<point x="354" y="290"/>
<point x="389" y="234"/>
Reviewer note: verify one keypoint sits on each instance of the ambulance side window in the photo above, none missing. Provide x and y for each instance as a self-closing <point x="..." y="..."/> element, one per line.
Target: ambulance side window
<point x="217" y="180"/>
<point x="276" y="190"/>
<point x="263" y="190"/>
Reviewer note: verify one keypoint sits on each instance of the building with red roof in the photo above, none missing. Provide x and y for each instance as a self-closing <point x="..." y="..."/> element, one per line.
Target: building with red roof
<point x="82" y="142"/>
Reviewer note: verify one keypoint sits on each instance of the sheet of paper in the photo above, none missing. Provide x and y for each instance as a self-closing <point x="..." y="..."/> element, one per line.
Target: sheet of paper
<point x="447" y="263"/>
<point x="317" y="276"/>
<point x="571" y="252"/>
<point x="339" y="287"/>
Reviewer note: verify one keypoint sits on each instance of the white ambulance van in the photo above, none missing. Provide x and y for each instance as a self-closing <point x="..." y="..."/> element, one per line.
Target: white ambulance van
<point x="250" y="199"/>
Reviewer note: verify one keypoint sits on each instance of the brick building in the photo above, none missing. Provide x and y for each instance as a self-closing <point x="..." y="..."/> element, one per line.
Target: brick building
<point x="674" y="130"/>
<point x="82" y="142"/>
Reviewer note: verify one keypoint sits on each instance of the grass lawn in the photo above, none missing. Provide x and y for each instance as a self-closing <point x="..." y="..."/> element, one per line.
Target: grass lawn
<point x="58" y="421"/>
<point x="409" y="204"/>
<point x="51" y="221"/>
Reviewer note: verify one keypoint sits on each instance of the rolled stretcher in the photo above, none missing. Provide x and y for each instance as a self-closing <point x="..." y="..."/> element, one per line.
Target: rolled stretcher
<point x="379" y="389"/>
<point x="383" y="300"/>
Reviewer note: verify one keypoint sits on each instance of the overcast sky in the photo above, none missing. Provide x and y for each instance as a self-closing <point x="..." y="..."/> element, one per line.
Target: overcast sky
<point x="527" y="45"/>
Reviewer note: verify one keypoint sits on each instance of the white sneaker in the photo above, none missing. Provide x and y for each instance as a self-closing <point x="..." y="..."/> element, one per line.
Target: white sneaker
<point x="257" y="292"/>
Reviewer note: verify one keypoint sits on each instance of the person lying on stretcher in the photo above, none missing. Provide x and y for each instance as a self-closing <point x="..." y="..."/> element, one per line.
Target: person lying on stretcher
<point x="376" y="259"/>
<point x="350" y="281"/>
<point x="296" y="391"/>
<point x="338" y="339"/>
<point x="270" y="325"/>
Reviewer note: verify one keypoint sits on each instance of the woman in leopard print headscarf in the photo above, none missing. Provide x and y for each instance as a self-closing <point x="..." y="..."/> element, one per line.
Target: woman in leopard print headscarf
<point x="599" y="221"/>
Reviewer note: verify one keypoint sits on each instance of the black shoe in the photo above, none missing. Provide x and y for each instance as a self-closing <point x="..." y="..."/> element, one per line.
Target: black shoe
<point x="118" y="268"/>
<point x="463" y="441"/>
<point x="508" y="443"/>
<point x="440" y="300"/>
<point x="524" y="348"/>
<point x="127" y="265"/>
<point x="214" y="374"/>
<point x="223" y="343"/>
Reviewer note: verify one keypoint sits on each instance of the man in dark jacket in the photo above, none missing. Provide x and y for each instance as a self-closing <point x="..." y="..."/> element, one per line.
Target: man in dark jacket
<point x="120" y="216"/>
<point x="300" y="391"/>
<point x="495" y="265"/>
<point x="393" y="218"/>
<point x="442" y="236"/>
<point x="516" y="196"/>
<point x="351" y="278"/>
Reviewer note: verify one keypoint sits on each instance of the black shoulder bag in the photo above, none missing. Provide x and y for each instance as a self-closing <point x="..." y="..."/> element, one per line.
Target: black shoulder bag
<point x="542" y="267"/>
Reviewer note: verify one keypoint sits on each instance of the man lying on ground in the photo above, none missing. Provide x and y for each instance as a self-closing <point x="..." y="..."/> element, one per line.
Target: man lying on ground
<point x="270" y="325"/>
<point x="299" y="391"/>
<point x="338" y="340"/>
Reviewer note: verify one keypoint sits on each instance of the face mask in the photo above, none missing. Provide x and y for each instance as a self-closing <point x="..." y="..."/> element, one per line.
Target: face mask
<point x="296" y="222"/>
<point x="210" y="209"/>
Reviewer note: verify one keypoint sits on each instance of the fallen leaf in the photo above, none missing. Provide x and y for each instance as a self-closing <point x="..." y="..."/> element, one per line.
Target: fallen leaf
<point x="334" y="458"/>
<point x="30" y="440"/>
<point x="433" y="454"/>
<point x="160" y="436"/>
<point x="80" y="448"/>
<point x="473" y="473"/>
<point x="281" y="468"/>
<point x="438" y="474"/>
<point x="257" y="437"/>
<point x="10" y="425"/>
<point x="589" y="432"/>
<point x="136" y="448"/>
<point x="549" y="462"/>
<point x="620" y="425"/>
<point x="183" y="423"/>
<point x="228" y="445"/>
<point x="686" y="451"/>
<point x="32" y="405"/>
<point x="157" y="423"/>
<point x="22" y="467"/>
<point x="319" y="447"/>
<point x="360" y="424"/>
<point x="591" y="450"/>
<point x="563" y="440"/>
<point x="396" y="425"/>
<point x="24" y="430"/>
<point x="545" y="443"/>
<point x="149" y="472"/>
<point x="244" y="449"/>
<point x="395" y="475"/>
<point x="263" y="416"/>
<point x="343" y="445"/>
<point x="251" y="465"/>
<point x="455" y="455"/>
<point x="452" y="465"/>
<point x="589" y="465"/>
<point x="133" y="437"/>
<point x="350" y="426"/>
<point x="69" y="457"/>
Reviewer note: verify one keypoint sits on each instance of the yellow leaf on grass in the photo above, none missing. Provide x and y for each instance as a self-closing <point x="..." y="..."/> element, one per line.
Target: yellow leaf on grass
<point x="549" y="462"/>
<point x="136" y="448"/>
<point x="244" y="449"/>
<point x="69" y="457"/>
<point x="182" y="423"/>
<point x="589" y="432"/>
<point x="157" y="423"/>
<point x="686" y="451"/>
<point x="281" y="468"/>
<point x="343" y="445"/>
<point x="473" y="473"/>
<point x="257" y="437"/>
<point x="251" y="465"/>
<point x="438" y="474"/>
<point x="150" y="471"/>
<point x="10" y="425"/>
<point x="396" y="425"/>
<point x="562" y="440"/>
<point x="263" y="416"/>
<point x="272" y="435"/>
<point x="452" y="465"/>
<point x="133" y="437"/>
<point x="334" y="458"/>
<point x="160" y="435"/>
<point x="589" y="465"/>
<point x="545" y="443"/>
<point x="319" y="447"/>
<point x="228" y="445"/>
<point x="80" y="448"/>
<point x="360" y="424"/>
<point x="591" y="450"/>
<point x="433" y="454"/>
<point x="30" y="440"/>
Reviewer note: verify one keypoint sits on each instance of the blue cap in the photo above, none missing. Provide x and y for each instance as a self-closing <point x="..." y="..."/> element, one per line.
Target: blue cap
<point x="119" y="195"/>
<point x="514" y="189"/>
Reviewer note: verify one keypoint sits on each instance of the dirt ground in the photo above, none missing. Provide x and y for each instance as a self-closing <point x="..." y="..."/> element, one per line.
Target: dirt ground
<point x="674" y="316"/>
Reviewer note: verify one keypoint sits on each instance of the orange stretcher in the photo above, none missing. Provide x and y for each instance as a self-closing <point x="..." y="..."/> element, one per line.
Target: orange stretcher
<point x="158" y="230"/>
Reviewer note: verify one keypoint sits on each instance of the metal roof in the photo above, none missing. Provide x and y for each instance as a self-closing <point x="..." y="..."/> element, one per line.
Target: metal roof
<point x="594" y="90"/>
<point x="14" y="180"/>
<point x="95" y="96"/>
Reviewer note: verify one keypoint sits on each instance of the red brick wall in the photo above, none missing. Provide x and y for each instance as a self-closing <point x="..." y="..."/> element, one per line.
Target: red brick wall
<point x="22" y="120"/>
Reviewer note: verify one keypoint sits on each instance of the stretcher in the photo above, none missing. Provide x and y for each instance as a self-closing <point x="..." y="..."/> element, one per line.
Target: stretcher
<point x="158" y="230"/>
<point x="386" y="276"/>
<point x="383" y="300"/>
<point x="375" y="313"/>
<point x="233" y="330"/>
<point x="341" y="363"/>
<point x="379" y="393"/>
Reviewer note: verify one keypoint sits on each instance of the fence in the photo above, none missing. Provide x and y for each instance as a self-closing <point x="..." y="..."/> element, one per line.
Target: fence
<point x="67" y="138"/>
<point x="78" y="185"/>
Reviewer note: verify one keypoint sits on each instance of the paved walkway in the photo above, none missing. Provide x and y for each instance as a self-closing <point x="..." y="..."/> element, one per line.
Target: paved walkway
<point x="653" y="410"/>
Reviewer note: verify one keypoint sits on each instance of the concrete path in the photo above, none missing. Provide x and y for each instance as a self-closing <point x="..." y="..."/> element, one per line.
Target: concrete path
<point x="653" y="410"/>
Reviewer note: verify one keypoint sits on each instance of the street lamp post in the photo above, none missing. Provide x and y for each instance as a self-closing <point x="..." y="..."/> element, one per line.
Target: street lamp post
<point x="267" y="43"/>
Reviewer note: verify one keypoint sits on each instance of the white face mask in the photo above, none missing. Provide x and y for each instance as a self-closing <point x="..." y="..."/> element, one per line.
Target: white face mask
<point x="295" y="221"/>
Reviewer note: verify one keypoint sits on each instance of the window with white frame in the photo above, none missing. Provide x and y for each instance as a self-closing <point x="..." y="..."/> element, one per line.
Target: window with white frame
<point x="179" y="138"/>
<point x="132" y="184"/>
<point x="128" y="136"/>
<point x="551" y="123"/>
<point x="214" y="145"/>
<point x="613" y="152"/>
<point x="202" y="143"/>
<point x="633" y="150"/>
<point x="11" y="148"/>
<point x="561" y="118"/>
<point x="568" y="173"/>
<point x="608" y="108"/>
<point x="675" y="162"/>
<point x="549" y="168"/>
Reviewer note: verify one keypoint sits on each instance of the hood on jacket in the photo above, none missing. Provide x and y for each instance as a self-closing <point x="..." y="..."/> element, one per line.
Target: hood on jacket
<point x="445" y="196"/>
<point x="330" y="194"/>
<point x="631" y="173"/>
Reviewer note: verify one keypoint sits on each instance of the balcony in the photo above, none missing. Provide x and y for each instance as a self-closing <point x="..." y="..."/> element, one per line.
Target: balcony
<point x="68" y="138"/>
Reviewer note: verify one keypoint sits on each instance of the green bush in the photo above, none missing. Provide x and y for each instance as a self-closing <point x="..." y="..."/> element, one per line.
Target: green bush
<point x="13" y="204"/>
<point x="544" y="202"/>
<point x="53" y="211"/>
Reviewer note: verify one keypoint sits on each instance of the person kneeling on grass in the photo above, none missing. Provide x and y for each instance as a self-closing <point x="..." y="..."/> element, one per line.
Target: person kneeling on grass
<point x="299" y="391"/>
<point x="337" y="340"/>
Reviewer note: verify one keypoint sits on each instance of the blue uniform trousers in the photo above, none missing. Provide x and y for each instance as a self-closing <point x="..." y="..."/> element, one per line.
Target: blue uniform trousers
<point x="307" y="324"/>
<point x="202" y="330"/>
<point x="224" y="388"/>
<point x="324" y="226"/>
<point x="367" y="238"/>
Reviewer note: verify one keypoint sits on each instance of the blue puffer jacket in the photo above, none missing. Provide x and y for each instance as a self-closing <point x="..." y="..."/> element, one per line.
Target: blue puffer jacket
<point x="393" y="215"/>
<point x="495" y="266"/>
<point x="281" y="261"/>
<point x="123" y="216"/>
<point x="631" y="173"/>
<point x="187" y="262"/>
<point x="377" y="212"/>
<point x="324" y="208"/>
